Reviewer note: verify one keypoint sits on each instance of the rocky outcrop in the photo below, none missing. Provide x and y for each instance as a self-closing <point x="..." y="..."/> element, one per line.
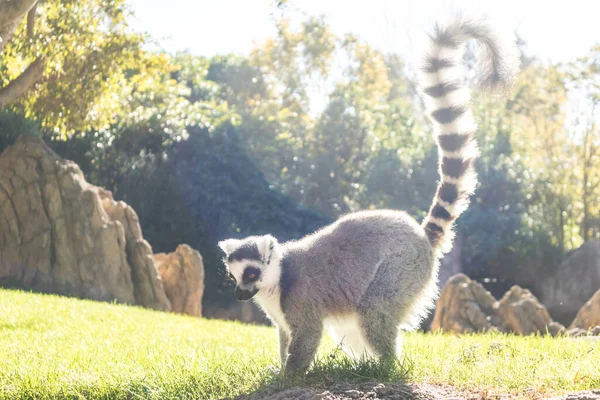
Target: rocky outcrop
<point x="147" y="286"/>
<point x="60" y="234"/>
<point x="573" y="283"/>
<point x="465" y="306"/>
<point x="578" y="332"/>
<point x="588" y="316"/>
<point x="522" y="313"/>
<point x="182" y="274"/>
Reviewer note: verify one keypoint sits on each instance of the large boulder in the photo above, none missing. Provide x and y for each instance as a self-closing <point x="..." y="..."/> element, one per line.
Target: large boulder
<point x="522" y="313"/>
<point x="57" y="236"/>
<point x="588" y="316"/>
<point x="182" y="274"/>
<point x="464" y="306"/>
<point x="573" y="283"/>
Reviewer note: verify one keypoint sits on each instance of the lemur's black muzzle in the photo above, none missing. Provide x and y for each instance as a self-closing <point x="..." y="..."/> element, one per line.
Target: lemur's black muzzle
<point x="244" y="295"/>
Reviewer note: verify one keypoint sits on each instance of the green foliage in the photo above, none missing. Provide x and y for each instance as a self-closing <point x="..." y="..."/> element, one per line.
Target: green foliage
<point x="555" y="133"/>
<point x="318" y="159"/>
<point x="88" y="50"/>
<point x="13" y="125"/>
<point x="584" y="78"/>
<point x="498" y="236"/>
<point x="54" y="347"/>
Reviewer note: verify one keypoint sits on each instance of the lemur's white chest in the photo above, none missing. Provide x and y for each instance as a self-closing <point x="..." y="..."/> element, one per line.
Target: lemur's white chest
<point x="271" y="305"/>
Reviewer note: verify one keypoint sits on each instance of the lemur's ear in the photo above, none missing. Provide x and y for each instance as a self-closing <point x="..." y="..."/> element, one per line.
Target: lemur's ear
<point x="266" y="246"/>
<point x="229" y="245"/>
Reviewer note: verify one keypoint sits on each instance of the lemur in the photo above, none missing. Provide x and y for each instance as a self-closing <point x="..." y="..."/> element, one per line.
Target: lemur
<point x="371" y="274"/>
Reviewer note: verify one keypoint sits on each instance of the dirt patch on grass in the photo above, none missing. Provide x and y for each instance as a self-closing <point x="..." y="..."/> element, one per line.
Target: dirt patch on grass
<point x="585" y="395"/>
<point x="390" y="391"/>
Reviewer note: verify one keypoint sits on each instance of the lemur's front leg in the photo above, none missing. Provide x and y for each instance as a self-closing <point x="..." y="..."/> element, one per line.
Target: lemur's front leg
<point x="306" y="336"/>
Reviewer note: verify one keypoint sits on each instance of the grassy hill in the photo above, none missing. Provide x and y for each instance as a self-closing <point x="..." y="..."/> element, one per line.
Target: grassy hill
<point x="55" y="347"/>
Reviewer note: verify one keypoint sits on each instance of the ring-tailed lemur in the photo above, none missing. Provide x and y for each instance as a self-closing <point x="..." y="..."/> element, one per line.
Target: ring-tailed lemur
<point x="371" y="272"/>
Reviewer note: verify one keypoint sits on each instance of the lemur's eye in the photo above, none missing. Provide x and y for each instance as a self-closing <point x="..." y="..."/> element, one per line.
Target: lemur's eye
<point x="251" y="274"/>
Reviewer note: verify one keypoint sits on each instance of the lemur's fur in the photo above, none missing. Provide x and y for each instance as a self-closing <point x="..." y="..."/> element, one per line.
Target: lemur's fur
<point x="372" y="272"/>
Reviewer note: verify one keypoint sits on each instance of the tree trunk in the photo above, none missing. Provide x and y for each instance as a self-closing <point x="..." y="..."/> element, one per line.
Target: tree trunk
<point x="586" y="207"/>
<point x="23" y="82"/>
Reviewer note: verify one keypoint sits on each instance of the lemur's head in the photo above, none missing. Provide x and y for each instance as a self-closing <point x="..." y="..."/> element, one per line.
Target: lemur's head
<point x="254" y="263"/>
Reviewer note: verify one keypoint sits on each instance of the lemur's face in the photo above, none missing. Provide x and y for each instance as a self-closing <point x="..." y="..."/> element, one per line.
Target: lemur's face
<point x="247" y="274"/>
<point x="253" y="262"/>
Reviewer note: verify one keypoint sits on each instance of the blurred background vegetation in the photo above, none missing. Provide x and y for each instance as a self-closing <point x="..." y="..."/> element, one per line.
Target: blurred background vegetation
<point x="209" y="147"/>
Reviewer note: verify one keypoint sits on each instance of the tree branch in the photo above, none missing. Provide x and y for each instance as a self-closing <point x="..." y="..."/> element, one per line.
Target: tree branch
<point x="23" y="82"/>
<point x="31" y="20"/>
<point x="14" y="9"/>
<point x="11" y="13"/>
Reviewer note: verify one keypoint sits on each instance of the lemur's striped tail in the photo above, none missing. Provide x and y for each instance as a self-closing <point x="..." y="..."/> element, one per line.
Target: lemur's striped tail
<point x="447" y="99"/>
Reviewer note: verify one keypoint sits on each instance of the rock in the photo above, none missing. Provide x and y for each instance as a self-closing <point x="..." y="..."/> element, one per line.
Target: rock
<point x="464" y="306"/>
<point x="573" y="283"/>
<point x="576" y="332"/>
<point x="381" y="389"/>
<point x="589" y="315"/>
<point x="555" y="329"/>
<point x="148" y="288"/>
<point x="522" y="313"/>
<point x="56" y="236"/>
<point x="182" y="274"/>
<point x="353" y="394"/>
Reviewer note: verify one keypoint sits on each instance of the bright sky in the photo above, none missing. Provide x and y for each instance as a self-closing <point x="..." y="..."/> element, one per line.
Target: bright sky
<point x="554" y="30"/>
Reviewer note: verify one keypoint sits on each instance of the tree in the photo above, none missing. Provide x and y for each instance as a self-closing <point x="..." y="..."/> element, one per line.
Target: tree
<point x="583" y="82"/>
<point x="499" y="236"/>
<point x="11" y="14"/>
<point x="71" y="72"/>
<point x="540" y="136"/>
<point x="320" y="156"/>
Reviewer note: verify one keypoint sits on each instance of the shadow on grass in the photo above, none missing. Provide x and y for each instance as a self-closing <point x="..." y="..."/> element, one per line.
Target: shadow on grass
<point x="338" y="376"/>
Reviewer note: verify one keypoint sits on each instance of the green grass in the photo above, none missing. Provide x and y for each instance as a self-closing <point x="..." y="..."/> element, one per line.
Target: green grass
<point x="54" y="347"/>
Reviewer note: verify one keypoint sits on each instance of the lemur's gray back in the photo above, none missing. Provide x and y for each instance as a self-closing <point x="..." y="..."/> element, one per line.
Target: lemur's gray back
<point x="447" y="100"/>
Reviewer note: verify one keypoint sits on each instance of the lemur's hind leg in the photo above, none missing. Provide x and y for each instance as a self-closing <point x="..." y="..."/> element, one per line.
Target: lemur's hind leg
<point x="392" y="300"/>
<point x="380" y="329"/>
